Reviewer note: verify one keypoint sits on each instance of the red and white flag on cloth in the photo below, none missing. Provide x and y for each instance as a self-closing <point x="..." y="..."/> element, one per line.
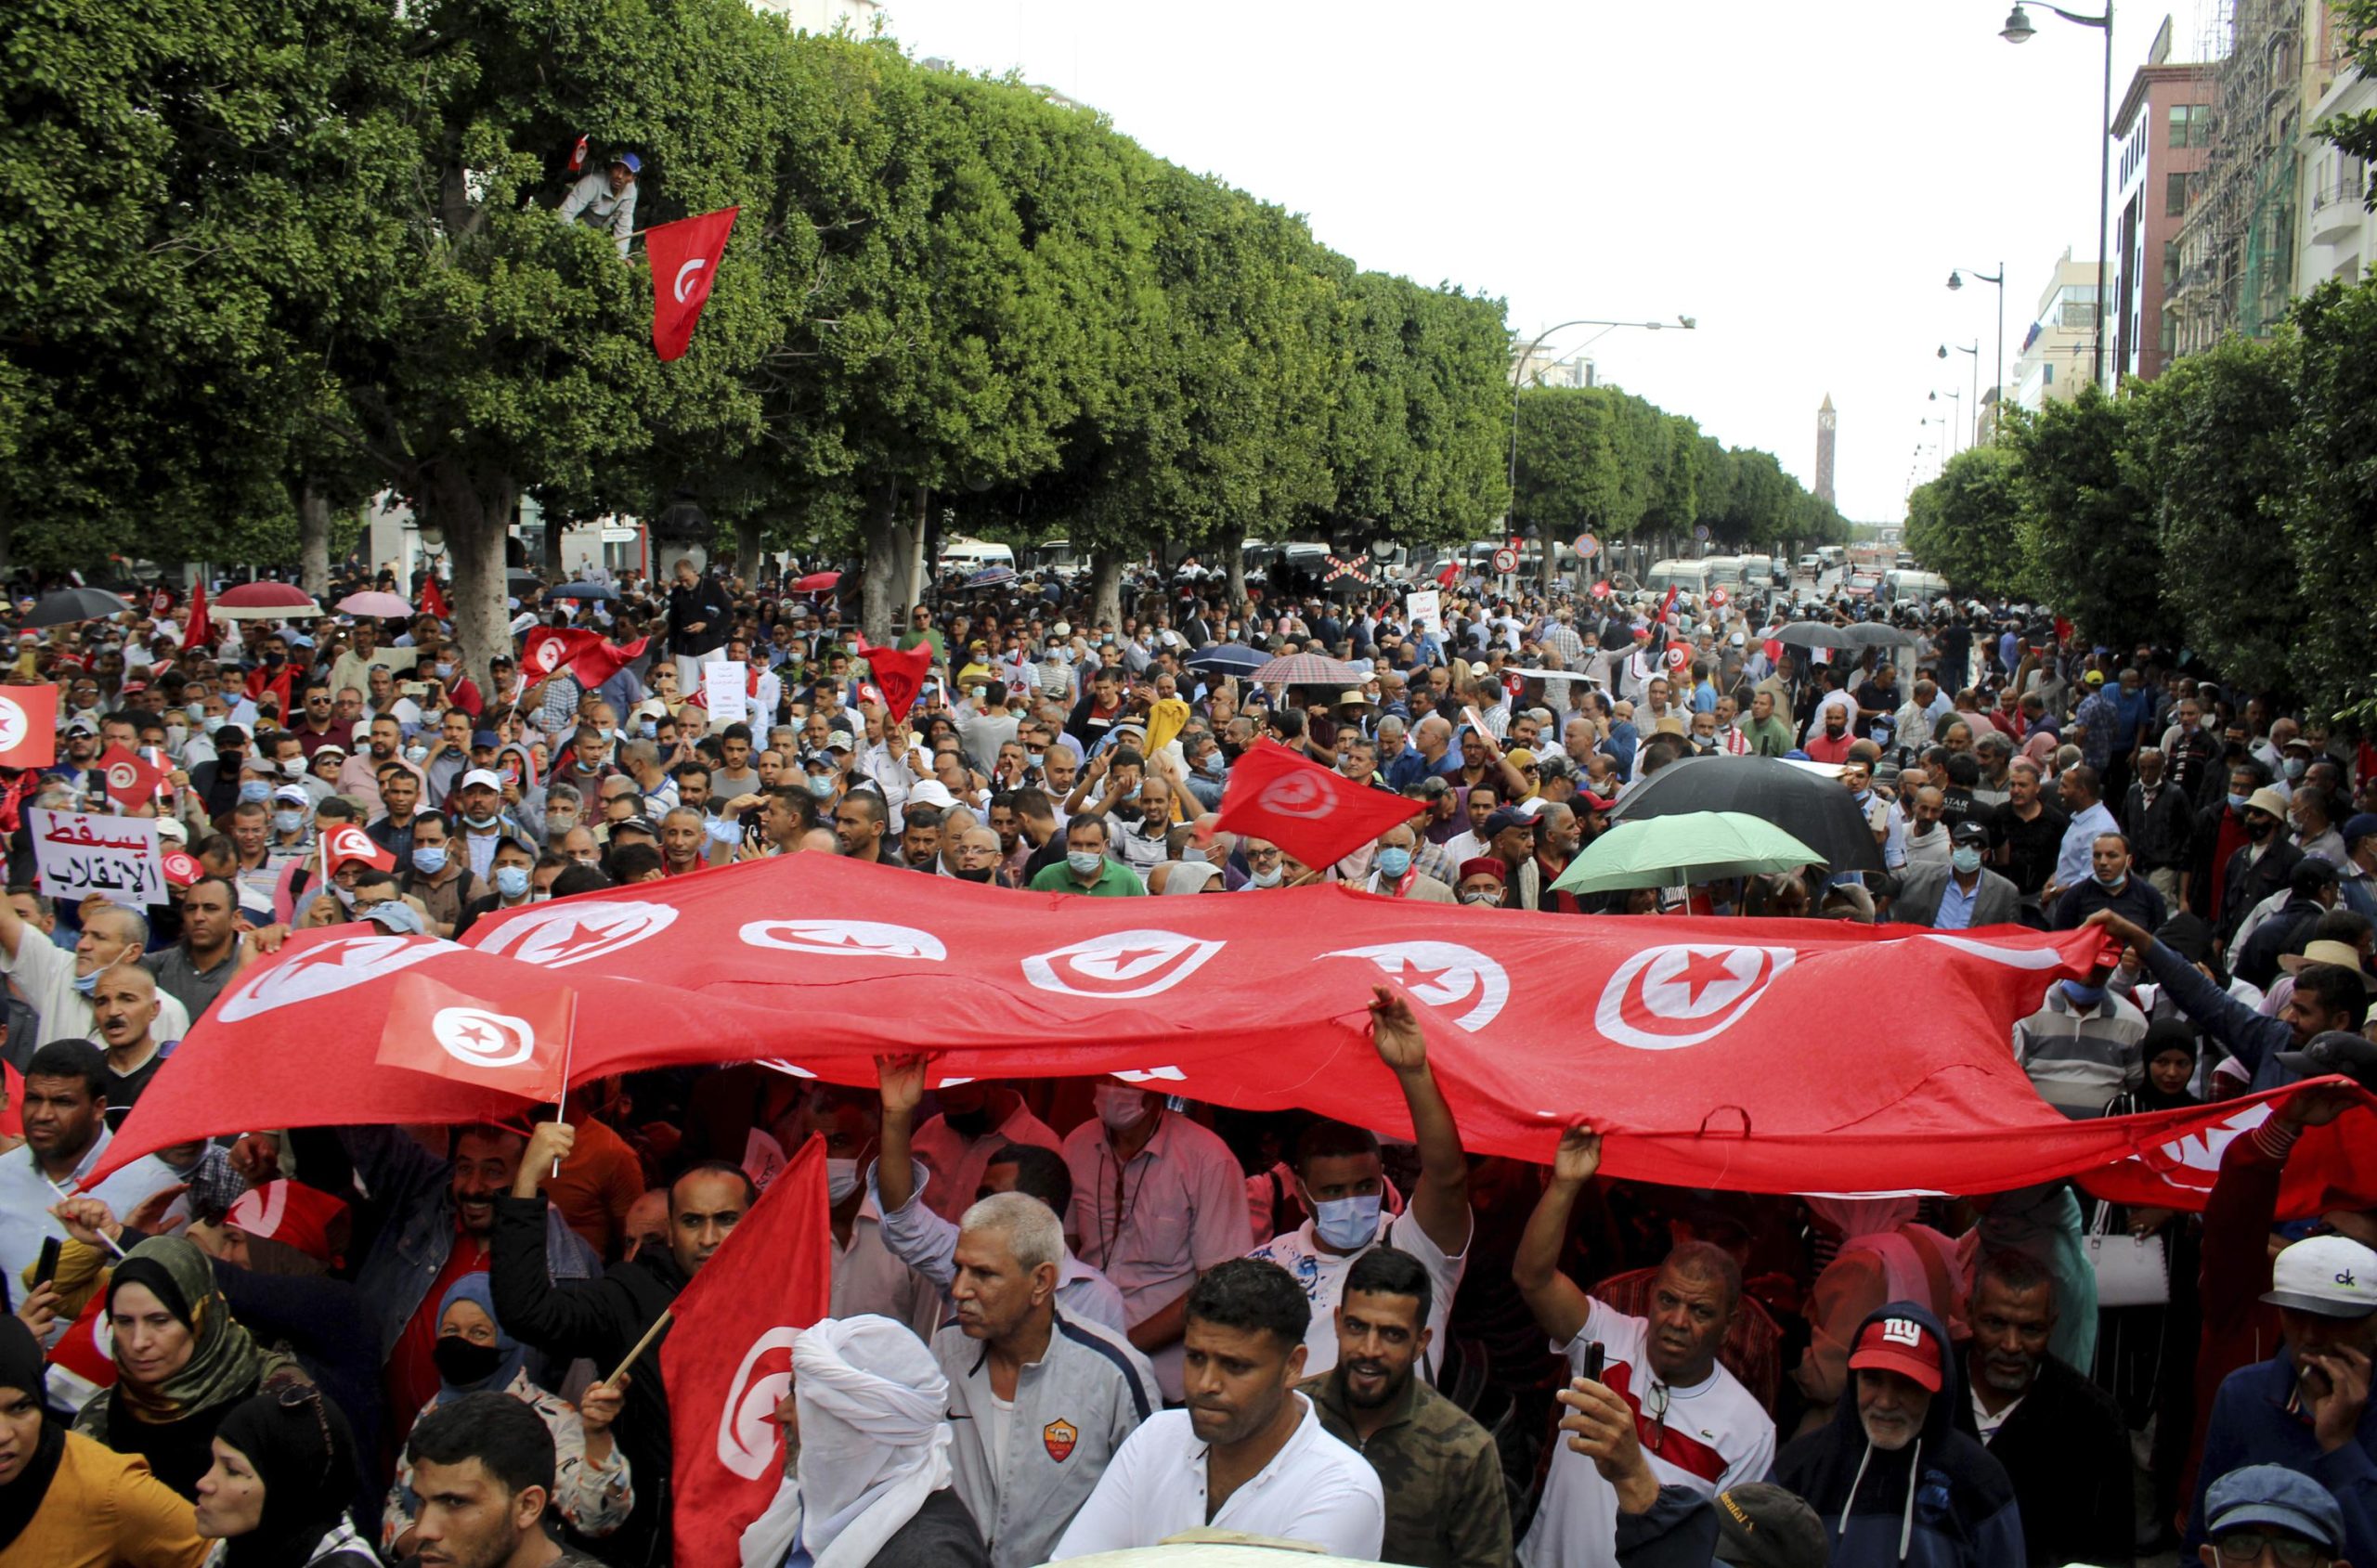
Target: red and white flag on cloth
<point x="433" y="599"/>
<point x="1316" y="814"/>
<point x="604" y="660"/>
<point x="684" y="258"/>
<point x="28" y="726"/>
<point x="549" y="649"/>
<point x="518" y="1047"/>
<point x="348" y="841"/>
<point x="727" y="1358"/>
<point x="200" y="630"/>
<point x="901" y="675"/>
<point x="131" y="778"/>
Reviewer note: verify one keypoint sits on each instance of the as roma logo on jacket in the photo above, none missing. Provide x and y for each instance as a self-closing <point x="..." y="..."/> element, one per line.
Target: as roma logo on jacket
<point x="1058" y="1437"/>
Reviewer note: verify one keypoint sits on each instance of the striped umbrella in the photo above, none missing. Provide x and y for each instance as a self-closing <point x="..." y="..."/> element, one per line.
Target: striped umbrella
<point x="1307" y="670"/>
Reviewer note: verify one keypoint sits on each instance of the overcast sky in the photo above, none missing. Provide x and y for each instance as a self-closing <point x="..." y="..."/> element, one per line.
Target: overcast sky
<point x="1799" y="175"/>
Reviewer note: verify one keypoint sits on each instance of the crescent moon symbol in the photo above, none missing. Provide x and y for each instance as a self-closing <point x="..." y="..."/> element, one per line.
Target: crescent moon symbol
<point x="684" y="276"/>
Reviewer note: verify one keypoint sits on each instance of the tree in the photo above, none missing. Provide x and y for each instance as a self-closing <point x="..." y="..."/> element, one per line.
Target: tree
<point x="2355" y="25"/>
<point x="1965" y="524"/>
<point x="2087" y="533"/>
<point x="2332" y="518"/>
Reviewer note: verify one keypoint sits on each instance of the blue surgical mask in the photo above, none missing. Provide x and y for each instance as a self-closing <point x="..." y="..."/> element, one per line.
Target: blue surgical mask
<point x="253" y="790"/>
<point x="2083" y="996"/>
<point x="416" y="755"/>
<point x="288" y="822"/>
<point x="1034" y="758"/>
<point x="1084" y="862"/>
<point x="86" y="984"/>
<point x="1214" y="763"/>
<point x="1967" y="861"/>
<point x="2111" y="883"/>
<point x="2237" y="802"/>
<point x="2296" y="767"/>
<point x="511" y="881"/>
<point x="1346" y="1223"/>
<point x="649" y="728"/>
<point x="1266" y="877"/>
<point x="477" y="819"/>
<point x="429" y="859"/>
<point x="1394" y="862"/>
<point x="197" y="712"/>
<point x="821" y="784"/>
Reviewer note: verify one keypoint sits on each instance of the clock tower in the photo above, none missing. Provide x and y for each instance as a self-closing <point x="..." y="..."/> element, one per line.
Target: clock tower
<point x="1827" y="422"/>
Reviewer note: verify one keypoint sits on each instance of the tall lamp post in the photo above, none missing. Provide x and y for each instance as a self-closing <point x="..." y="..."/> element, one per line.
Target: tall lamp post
<point x="1974" y="350"/>
<point x="1956" y="419"/>
<point x="1956" y="281"/>
<point x="2018" y="29"/>
<point x="1518" y="371"/>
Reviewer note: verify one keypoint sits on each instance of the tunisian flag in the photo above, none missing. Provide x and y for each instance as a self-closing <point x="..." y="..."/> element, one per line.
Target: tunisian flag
<point x="549" y="648"/>
<point x="2330" y="1167"/>
<point x="684" y="257"/>
<point x="433" y="599"/>
<point x="520" y="1047"/>
<point x="200" y="630"/>
<point x="131" y="778"/>
<point x="28" y="726"/>
<point x="604" y="660"/>
<point x="1316" y="814"/>
<point x="901" y="675"/>
<point x="349" y="842"/>
<point x="728" y="1359"/>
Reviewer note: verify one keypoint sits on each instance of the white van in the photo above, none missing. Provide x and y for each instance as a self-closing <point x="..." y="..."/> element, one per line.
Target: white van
<point x="1913" y="587"/>
<point x="1724" y="571"/>
<point x="974" y="555"/>
<point x="1691" y="577"/>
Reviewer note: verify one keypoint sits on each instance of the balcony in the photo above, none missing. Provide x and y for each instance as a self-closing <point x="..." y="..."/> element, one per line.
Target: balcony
<point x="2338" y="211"/>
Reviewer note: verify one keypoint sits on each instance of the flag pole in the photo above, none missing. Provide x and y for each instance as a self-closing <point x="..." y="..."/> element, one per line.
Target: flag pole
<point x="641" y="1346"/>
<point x="561" y="1099"/>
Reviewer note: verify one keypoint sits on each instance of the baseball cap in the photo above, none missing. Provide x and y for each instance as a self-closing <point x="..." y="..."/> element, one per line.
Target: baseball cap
<point x="292" y="795"/>
<point x="2359" y="827"/>
<point x="396" y="916"/>
<point x="931" y="792"/>
<point x="485" y="738"/>
<point x="2094" y="678"/>
<point x="1593" y="802"/>
<point x="633" y="164"/>
<point x="1504" y="818"/>
<point x="2335" y="1051"/>
<point x="481" y="776"/>
<point x="1762" y="1525"/>
<point x="2278" y="1496"/>
<point x="1969" y="833"/>
<point x="2332" y="1276"/>
<point x="81" y="727"/>
<point x="1893" y="1342"/>
<point x="837" y="741"/>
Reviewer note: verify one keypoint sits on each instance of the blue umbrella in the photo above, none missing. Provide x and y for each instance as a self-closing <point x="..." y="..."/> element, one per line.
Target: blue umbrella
<point x="582" y="590"/>
<point x="1229" y="658"/>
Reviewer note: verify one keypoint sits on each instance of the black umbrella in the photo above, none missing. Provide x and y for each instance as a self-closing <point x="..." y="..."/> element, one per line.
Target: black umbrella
<point x="517" y="578"/>
<point x="1815" y="634"/>
<point x="1877" y="634"/>
<point x="1818" y="811"/>
<point x="583" y="591"/>
<point x="71" y="604"/>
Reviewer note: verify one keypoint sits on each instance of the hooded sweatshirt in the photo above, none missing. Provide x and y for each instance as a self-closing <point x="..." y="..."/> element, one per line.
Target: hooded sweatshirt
<point x="1939" y="1502"/>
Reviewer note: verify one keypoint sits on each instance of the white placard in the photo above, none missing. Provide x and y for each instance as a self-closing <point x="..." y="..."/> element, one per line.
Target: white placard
<point x="1425" y="610"/>
<point x="726" y="692"/>
<point x="114" y="857"/>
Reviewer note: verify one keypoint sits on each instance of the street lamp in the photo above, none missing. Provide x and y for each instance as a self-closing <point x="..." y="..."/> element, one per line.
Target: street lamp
<point x="1957" y="400"/>
<point x="1518" y="369"/>
<point x="2018" y="29"/>
<point x="1956" y="281"/>
<point x="1975" y="351"/>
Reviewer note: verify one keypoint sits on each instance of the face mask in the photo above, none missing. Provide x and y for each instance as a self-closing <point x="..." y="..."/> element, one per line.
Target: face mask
<point x="511" y="881"/>
<point x="416" y="755"/>
<point x="1034" y="758"/>
<point x="1346" y="1223"/>
<point x="1213" y="763"/>
<point x="1481" y="899"/>
<point x="473" y="819"/>
<point x="1084" y="862"/>
<point x="560" y="822"/>
<point x="821" y="784"/>
<point x="2263" y="828"/>
<point x="345" y="896"/>
<point x="841" y="1179"/>
<point x="2083" y="996"/>
<point x="1120" y="1107"/>
<point x="288" y="822"/>
<point x="649" y="728"/>
<point x="1864" y="796"/>
<point x="2296" y="767"/>
<point x="273" y="661"/>
<point x="1394" y="862"/>
<point x="1965" y="860"/>
<point x="429" y="859"/>
<point x="86" y="984"/>
<point x="984" y="874"/>
<point x="197" y="713"/>
<point x="463" y="1364"/>
<point x="2237" y="802"/>
<point x="2111" y="883"/>
<point x="1268" y="877"/>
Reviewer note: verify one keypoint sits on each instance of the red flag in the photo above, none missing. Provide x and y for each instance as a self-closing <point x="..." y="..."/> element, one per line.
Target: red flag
<point x="130" y="778"/>
<point x="1601" y="591"/>
<point x="1719" y="597"/>
<point x="87" y="1349"/>
<point x="433" y="599"/>
<point x="2330" y="1167"/>
<point x="198" y="631"/>
<point x="181" y="867"/>
<point x="1667" y="606"/>
<point x="12" y="1118"/>
<point x="1316" y="814"/>
<point x="604" y="660"/>
<point x="578" y="155"/>
<point x="684" y="258"/>
<point x="901" y="675"/>
<point x="1678" y="657"/>
<point x="263" y="682"/>
<point x="1450" y="574"/>
<point x="348" y="841"/>
<point x="433" y="1028"/>
<point x="548" y="649"/>
<point x="28" y="726"/>
<point x="728" y="1359"/>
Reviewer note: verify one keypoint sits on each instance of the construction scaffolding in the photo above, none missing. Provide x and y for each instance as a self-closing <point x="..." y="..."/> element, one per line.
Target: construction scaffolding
<point x="2237" y="244"/>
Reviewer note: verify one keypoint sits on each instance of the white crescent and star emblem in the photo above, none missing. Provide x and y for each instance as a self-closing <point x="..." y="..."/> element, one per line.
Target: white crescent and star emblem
<point x="559" y="935"/>
<point x="1442" y="974"/>
<point x="123" y="778"/>
<point x="12" y="724"/>
<point x="480" y="1037"/>
<point x="1119" y="964"/>
<point x="1297" y="794"/>
<point x="845" y="938"/>
<point x="747" y="1433"/>
<point x="1685" y="995"/>
<point x="685" y="279"/>
<point x="325" y="969"/>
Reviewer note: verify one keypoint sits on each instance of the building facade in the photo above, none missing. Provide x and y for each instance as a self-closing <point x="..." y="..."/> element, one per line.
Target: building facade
<point x="2159" y="137"/>
<point x="2059" y="346"/>
<point x="2339" y="231"/>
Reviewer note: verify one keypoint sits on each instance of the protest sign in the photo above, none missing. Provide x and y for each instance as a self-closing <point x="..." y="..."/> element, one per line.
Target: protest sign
<point x="1425" y="610"/>
<point x="114" y="857"/>
<point x="725" y="693"/>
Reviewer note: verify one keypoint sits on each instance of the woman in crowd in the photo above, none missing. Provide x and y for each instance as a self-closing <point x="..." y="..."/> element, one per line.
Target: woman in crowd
<point x="275" y="1494"/>
<point x="591" y="1485"/>
<point x="68" y="1502"/>
<point x="182" y="1363"/>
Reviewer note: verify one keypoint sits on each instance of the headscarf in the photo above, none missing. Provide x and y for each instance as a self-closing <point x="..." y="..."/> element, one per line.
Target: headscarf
<point x="1190" y="876"/>
<point x="874" y="1440"/>
<point x="224" y="1364"/>
<point x="299" y="1445"/>
<point x="21" y="1367"/>
<point x="473" y="1288"/>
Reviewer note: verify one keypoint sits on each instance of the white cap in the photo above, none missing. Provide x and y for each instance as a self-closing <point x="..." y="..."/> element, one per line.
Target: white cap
<point x="931" y="792"/>
<point x="171" y="827"/>
<point x="1063" y="629"/>
<point x="481" y="776"/>
<point x="293" y="793"/>
<point x="2332" y="1276"/>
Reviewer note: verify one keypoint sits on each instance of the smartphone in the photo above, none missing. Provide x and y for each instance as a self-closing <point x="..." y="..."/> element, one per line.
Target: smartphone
<point x="45" y="1267"/>
<point x="1595" y="1358"/>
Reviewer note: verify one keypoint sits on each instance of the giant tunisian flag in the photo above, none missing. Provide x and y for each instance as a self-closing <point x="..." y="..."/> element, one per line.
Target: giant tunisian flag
<point x="728" y="1360"/>
<point x="684" y="263"/>
<point x="1316" y="814"/>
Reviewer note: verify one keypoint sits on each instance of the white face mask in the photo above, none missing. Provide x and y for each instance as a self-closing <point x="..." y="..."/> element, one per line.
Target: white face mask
<point x="1120" y="1107"/>
<point x="841" y="1179"/>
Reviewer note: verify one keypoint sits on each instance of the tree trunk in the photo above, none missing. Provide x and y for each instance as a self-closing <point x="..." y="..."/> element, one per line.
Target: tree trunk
<point x="1106" y="586"/>
<point x="888" y="547"/>
<point x="552" y="569"/>
<point x="747" y="551"/>
<point x="912" y="584"/>
<point x="1236" y="605"/>
<point x="312" y="539"/>
<point x="476" y="511"/>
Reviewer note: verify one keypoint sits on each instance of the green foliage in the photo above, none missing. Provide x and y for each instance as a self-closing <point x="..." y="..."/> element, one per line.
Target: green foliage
<point x="2355" y="25"/>
<point x="2332" y="514"/>
<point x="1964" y="524"/>
<point x="2088" y="535"/>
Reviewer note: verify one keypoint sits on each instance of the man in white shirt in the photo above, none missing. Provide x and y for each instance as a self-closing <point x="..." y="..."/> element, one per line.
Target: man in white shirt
<point x="1700" y="1428"/>
<point x="1249" y="1454"/>
<point x="57" y="984"/>
<point x="1341" y="1182"/>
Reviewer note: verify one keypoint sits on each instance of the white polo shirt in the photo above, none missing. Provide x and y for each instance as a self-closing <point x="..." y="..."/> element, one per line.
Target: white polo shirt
<point x="1711" y="1436"/>
<point x="1315" y="1490"/>
<point x="1323" y="1275"/>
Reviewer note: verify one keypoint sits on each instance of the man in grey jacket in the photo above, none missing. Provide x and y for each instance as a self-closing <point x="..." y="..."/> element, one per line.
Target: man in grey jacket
<point x="1960" y="893"/>
<point x="1038" y="1402"/>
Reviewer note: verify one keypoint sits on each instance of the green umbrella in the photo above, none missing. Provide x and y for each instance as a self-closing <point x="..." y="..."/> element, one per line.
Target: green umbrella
<point x="1689" y="846"/>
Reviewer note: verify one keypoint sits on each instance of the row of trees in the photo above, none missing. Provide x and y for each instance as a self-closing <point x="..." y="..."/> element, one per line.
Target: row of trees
<point x="275" y="256"/>
<point x="2228" y="508"/>
<point x="1599" y="459"/>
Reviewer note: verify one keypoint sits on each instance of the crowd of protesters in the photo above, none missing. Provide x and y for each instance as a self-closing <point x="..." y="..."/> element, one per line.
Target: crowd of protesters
<point x="1078" y="1316"/>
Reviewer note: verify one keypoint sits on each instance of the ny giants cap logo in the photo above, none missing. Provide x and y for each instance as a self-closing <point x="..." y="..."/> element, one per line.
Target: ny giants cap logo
<point x="481" y="1038"/>
<point x="325" y="969"/>
<point x="1442" y="974"/>
<point x="1119" y="964"/>
<point x="560" y="935"/>
<point x="749" y="1437"/>
<point x="846" y="939"/>
<point x="1297" y="794"/>
<point x="1664" y="998"/>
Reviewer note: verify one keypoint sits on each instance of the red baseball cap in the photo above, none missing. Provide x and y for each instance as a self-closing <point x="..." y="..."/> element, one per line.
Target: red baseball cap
<point x="1902" y="1345"/>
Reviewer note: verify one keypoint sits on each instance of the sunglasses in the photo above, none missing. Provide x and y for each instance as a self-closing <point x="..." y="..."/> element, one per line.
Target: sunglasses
<point x="2290" y="1551"/>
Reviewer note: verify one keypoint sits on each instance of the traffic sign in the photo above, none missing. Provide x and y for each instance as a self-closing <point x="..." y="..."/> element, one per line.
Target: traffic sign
<point x="1588" y="546"/>
<point x="1506" y="560"/>
<point x="1700" y="532"/>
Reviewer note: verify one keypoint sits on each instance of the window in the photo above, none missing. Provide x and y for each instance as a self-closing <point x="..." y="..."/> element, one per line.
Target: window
<point x="2175" y="195"/>
<point x="2170" y="333"/>
<point x="2191" y="125"/>
<point x="2170" y="264"/>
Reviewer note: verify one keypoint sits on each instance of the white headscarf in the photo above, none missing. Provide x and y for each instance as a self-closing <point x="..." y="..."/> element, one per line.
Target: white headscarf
<point x="873" y="1435"/>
